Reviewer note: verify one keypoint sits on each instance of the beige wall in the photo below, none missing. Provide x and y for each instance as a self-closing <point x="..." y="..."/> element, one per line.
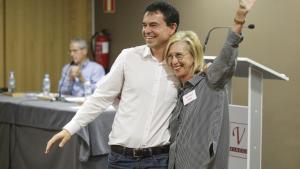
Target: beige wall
<point x="273" y="43"/>
<point x="37" y="33"/>
<point x="124" y="25"/>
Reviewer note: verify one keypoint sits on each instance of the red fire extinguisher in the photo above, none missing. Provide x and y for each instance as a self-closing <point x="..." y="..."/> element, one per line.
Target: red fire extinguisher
<point x="101" y="48"/>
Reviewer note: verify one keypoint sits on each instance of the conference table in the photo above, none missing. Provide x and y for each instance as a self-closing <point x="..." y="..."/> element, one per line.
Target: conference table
<point x="27" y="123"/>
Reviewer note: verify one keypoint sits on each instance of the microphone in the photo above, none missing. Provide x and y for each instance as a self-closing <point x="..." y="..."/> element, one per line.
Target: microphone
<point x="250" y="26"/>
<point x="59" y="97"/>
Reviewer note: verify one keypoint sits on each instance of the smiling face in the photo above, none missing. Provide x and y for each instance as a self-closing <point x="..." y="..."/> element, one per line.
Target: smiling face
<point x="155" y="31"/>
<point x="184" y="55"/>
<point x="179" y="58"/>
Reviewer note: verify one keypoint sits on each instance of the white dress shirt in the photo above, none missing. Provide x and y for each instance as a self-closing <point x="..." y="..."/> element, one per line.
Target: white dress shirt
<point x="148" y="91"/>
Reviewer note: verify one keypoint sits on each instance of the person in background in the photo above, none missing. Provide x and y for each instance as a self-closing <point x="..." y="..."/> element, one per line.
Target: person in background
<point x="199" y="124"/>
<point x="148" y="89"/>
<point x="80" y="71"/>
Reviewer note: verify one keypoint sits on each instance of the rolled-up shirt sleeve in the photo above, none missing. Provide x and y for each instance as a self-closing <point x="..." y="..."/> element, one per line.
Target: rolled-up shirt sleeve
<point x="97" y="74"/>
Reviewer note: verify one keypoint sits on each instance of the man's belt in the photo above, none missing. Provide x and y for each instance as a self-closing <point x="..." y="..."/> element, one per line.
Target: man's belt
<point x="140" y="152"/>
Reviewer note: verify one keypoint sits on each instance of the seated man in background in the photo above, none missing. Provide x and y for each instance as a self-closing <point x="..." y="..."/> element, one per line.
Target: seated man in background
<point x="80" y="71"/>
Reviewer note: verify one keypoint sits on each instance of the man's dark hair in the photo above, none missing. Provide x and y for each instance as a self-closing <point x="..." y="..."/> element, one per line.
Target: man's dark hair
<point x="171" y="15"/>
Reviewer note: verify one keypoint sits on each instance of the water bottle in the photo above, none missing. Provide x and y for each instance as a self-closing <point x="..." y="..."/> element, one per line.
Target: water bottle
<point x="87" y="88"/>
<point x="11" y="82"/>
<point x="46" y="85"/>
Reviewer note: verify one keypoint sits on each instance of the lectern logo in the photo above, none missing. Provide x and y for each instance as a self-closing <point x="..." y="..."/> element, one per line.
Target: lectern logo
<point x="236" y="133"/>
<point x="238" y="140"/>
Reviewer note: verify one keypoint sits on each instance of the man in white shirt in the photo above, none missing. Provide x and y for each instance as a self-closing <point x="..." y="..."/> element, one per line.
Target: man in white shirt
<point x="139" y="136"/>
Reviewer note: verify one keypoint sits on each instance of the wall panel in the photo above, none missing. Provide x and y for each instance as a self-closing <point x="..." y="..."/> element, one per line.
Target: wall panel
<point x="37" y="37"/>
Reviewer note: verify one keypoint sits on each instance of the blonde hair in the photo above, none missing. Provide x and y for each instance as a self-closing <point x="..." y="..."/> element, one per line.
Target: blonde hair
<point x="194" y="47"/>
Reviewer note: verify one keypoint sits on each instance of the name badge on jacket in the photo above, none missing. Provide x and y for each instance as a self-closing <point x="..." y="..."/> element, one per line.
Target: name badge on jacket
<point x="189" y="97"/>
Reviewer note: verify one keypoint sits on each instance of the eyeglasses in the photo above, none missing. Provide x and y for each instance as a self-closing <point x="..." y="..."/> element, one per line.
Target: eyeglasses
<point x="178" y="56"/>
<point x="74" y="50"/>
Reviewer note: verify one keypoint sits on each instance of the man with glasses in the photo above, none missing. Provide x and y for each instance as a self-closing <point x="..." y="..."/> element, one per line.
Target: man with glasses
<point x="80" y="71"/>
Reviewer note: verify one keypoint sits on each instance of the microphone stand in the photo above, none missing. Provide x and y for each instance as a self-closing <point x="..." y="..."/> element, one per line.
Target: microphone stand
<point x="250" y="26"/>
<point x="59" y="97"/>
<point x="208" y="34"/>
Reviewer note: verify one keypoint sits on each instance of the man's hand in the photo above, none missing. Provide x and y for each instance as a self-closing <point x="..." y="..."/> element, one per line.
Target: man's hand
<point x="74" y="72"/>
<point x="63" y="136"/>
